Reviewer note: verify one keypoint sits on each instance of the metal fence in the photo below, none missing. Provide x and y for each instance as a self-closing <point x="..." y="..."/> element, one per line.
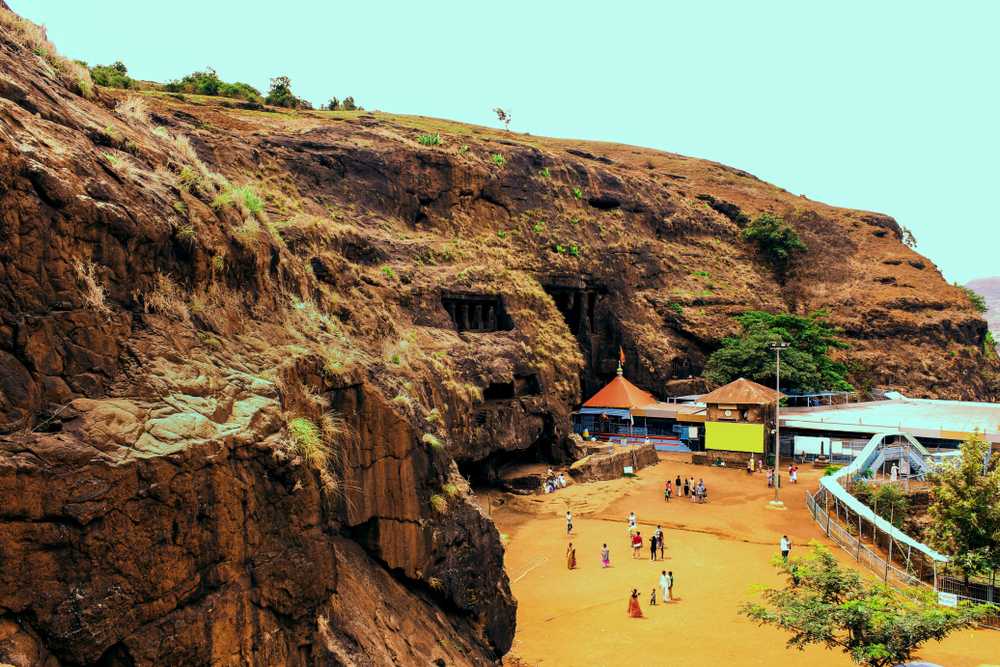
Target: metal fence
<point x="913" y="571"/>
<point x="855" y="546"/>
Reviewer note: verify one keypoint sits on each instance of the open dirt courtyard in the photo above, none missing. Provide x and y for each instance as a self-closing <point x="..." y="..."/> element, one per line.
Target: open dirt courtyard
<point x="717" y="551"/>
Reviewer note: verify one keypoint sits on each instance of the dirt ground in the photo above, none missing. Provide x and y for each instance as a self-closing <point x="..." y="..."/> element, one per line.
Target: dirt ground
<point x="717" y="552"/>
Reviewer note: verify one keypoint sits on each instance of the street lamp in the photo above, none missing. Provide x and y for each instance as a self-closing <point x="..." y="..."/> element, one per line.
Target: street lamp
<point x="777" y="346"/>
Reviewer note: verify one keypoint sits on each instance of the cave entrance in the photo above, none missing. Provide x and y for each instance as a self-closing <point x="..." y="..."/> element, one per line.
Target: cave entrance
<point x="586" y="312"/>
<point x="519" y="469"/>
<point x="477" y="312"/>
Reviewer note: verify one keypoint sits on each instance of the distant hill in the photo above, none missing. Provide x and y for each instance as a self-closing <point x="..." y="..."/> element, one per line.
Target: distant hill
<point x="989" y="288"/>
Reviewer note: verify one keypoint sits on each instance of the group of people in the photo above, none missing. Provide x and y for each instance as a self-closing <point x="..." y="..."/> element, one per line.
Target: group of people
<point x="666" y="586"/>
<point x="553" y="482"/>
<point x="696" y="492"/>
<point x="656" y="543"/>
<point x="793" y="475"/>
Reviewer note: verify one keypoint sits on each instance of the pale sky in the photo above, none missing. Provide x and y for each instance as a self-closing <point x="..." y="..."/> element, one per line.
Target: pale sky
<point x="887" y="106"/>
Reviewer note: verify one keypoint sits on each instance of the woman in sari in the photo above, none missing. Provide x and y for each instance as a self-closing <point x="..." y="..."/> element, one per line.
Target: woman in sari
<point x="571" y="557"/>
<point x="633" y="605"/>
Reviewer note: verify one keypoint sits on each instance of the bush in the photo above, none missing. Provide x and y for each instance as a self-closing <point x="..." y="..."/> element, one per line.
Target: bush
<point x="676" y="307"/>
<point x="280" y="95"/>
<point x="830" y="469"/>
<point x="498" y="160"/>
<point x="778" y="240"/>
<point x="976" y="299"/>
<point x="544" y="173"/>
<point x="114" y="75"/>
<point x="349" y="105"/>
<point x="577" y="193"/>
<point x="207" y="82"/>
<point x="430" y="139"/>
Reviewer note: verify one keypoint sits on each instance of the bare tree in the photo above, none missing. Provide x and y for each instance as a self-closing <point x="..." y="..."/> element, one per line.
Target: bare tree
<point x="503" y="115"/>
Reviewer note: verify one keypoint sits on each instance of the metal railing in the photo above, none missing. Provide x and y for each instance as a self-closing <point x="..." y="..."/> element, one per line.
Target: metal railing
<point x="874" y="560"/>
<point x="856" y="547"/>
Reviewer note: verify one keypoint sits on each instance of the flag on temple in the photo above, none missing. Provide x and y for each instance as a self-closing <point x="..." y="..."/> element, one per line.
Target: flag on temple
<point x="621" y="355"/>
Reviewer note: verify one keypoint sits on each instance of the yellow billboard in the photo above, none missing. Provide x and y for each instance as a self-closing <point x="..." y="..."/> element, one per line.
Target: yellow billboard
<point x="733" y="437"/>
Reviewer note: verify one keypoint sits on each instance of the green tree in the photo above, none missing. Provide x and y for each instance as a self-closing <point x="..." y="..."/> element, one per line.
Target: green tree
<point x="805" y="366"/>
<point x="965" y="508"/>
<point x="348" y="104"/>
<point x="875" y="624"/>
<point x="891" y="503"/>
<point x="112" y="76"/>
<point x="280" y="95"/>
<point x="333" y="105"/>
<point x="777" y="239"/>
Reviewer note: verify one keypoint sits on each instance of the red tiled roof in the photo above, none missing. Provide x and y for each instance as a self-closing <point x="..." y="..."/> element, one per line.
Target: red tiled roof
<point x="620" y="393"/>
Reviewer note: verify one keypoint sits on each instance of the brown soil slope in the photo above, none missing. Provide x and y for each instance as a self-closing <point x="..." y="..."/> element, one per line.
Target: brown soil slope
<point x="195" y="295"/>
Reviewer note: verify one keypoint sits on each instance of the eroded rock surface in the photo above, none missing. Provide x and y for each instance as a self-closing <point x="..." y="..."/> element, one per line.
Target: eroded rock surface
<point x="186" y="285"/>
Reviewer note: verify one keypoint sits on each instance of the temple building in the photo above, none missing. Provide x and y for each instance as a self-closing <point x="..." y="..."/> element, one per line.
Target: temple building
<point x="623" y="413"/>
<point x="738" y="420"/>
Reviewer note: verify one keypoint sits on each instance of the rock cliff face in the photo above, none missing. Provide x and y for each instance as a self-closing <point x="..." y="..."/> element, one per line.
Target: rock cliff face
<point x="248" y="357"/>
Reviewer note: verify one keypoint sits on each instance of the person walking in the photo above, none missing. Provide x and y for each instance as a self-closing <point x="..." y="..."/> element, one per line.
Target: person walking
<point x="653" y="543"/>
<point x="664" y="587"/>
<point x="633" y="605"/>
<point x="660" y="541"/>
<point x="570" y="557"/>
<point x="569" y="522"/>
<point x="633" y="520"/>
<point x="605" y="556"/>
<point x="687" y="487"/>
<point x="636" y="544"/>
<point x="677" y="486"/>
<point x="770" y="477"/>
<point x="652" y="597"/>
<point x="786" y="547"/>
<point x="667" y="491"/>
<point x="670" y="586"/>
<point x="794" y="475"/>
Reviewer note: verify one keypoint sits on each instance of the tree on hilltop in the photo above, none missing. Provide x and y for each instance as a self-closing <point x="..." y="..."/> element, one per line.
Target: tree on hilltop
<point x="280" y="95"/>
<point x="503" y="115"/>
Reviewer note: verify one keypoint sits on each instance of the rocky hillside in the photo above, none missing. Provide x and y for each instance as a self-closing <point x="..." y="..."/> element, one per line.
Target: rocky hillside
<point x="989" y="289"/>
<point x="249" y="357"/>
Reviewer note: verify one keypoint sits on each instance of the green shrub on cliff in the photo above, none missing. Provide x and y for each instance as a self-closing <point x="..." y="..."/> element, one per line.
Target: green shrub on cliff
<point x="778" y="240"/>
<point x="307" y="441"/>
<point x="439" y="503"/>
<point x="430" y="139"/>
<point x="976" y="299"/>
<point x="805" y="366"/>
<point x="114" y="75"/>
<point x="432" y="441"/>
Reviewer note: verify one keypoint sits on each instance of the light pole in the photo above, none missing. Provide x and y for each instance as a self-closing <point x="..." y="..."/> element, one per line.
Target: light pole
<point x="777" y="346"/>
